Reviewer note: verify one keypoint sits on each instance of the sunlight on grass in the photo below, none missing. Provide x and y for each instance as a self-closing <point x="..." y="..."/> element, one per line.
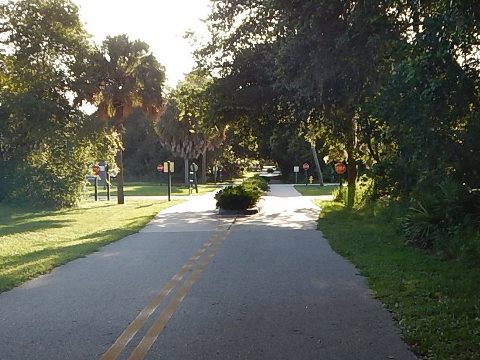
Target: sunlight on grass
<point x="435" y="302"/>
<point x="153" y="189"/>
<point x="34" y="242"/>
<point x="315" y="190"/>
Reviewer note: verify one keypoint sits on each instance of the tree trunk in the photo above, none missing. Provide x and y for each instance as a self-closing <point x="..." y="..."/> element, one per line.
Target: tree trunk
<point x="317" y="164"/>
<point x="351" y="178"/>
<point x="119" y="161"/>
<point x="185" y="161"/>
<point x="351" y="163"/>
<point x="204" y="167"/>
<point x="119" y="156"/>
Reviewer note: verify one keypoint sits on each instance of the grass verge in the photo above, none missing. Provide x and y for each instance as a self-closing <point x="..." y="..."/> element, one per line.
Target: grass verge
<point x="34" y="242"/>
<point x="315" y="190"/>
<point x="153" y="189"/>
<point x="436" y="303"/>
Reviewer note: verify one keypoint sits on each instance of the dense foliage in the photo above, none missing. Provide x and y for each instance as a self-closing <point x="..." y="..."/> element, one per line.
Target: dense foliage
<point x="391" y="88"/>
<point x="143" y="150"/>
<point x="185" y="128"/>
<point x="46" y="143"/>
<point x="243" y="196"/>
<point x="48" y="69"/>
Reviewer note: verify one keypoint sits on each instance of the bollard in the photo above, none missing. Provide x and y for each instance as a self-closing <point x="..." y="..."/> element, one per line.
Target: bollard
<point x="96" y="188"/>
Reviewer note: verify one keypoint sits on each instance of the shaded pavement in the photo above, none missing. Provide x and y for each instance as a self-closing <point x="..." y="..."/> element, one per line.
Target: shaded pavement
<point x="196" y="285"/>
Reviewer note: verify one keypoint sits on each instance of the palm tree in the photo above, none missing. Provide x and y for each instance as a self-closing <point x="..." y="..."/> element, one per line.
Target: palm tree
<point x="185" y="128"/>
<point x="126" y="75"/>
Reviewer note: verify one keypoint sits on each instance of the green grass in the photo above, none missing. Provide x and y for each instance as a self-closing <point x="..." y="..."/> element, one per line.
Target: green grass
<point x="34" y="242"/>
<point x="153" y="189"/>
<point x="315" y="190"/>
<point x="436" y="303"/>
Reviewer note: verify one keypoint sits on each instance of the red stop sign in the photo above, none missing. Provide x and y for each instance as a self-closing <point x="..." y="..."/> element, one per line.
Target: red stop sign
<point x="306" y="166"/>
<point x="96" y="169"/>
<point x="340" y="168"/>
<point x="160" y="167"/>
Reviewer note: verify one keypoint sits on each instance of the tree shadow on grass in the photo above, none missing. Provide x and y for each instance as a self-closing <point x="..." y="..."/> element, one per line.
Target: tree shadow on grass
<point x="43" y="261"/>
<point x="30" y="226"/>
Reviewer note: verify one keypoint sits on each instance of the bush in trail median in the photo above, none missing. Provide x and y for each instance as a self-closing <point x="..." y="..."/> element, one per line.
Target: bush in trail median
<point x="256" y="182"/>
<point x="238" y="197"/>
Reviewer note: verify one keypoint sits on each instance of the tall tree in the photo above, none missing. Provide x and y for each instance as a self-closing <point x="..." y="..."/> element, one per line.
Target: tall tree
<point x="45" y="141"/>
<point x="186" y="128"/>
<point x="325" y="56"/>
<point x="124" y="74"/>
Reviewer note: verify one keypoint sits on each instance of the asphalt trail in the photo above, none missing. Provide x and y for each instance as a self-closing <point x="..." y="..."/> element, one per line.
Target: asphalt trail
<point x="195" y="285"/>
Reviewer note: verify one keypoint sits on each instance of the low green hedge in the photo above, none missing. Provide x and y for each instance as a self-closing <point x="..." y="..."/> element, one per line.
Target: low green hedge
<point x="242" y="197"/>
<point x="256" y="182"/>
<point x="237" y="197"/>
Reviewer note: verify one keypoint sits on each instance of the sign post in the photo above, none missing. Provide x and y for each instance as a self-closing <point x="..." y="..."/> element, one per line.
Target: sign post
<point x="107" y="181"/>
<point x="169" y="168"/>
<point x="296" y="169"/>
<point x="160" y="169"/>
<point x="340" y="169"/>
<point x="194" y="169"/>
<point x="169" y="182"/>
<point x="96" y="171"/>
<point x="215" y="171"/>
<point x="306" y="166"/>
<point x="190" y="182"/>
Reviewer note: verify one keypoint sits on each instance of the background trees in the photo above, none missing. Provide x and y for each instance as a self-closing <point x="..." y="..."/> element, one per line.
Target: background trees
<point x="46" y="143"/>
<point x="48" y="69"/>
<point x="394" y="85"/>
<point x="185" y="128"/>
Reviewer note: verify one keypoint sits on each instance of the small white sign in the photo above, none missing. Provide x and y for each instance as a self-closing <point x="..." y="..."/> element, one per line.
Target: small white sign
<point x="165" y="166"/>
<point x="296" y="168"/>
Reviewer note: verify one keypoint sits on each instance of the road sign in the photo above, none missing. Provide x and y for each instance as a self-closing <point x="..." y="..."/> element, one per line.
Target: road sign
<point x="306" y="166"/>
<point x="340" y="168"/>
<point x="96" y="169"/>
<point x="160" y="167"/>
<point x="296" y="169"/>
<point x="166" y="166"/>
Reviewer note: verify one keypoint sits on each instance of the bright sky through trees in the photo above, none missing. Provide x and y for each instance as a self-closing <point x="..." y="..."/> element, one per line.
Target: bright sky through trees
<point x="160" y="23"/>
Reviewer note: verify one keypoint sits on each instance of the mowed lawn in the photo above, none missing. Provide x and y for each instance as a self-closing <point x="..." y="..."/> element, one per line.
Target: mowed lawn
<point x="316" y="190"/>
<point x="154" y="189"/>
<point x="435" y="302"/>
<point x="34" y="242"/>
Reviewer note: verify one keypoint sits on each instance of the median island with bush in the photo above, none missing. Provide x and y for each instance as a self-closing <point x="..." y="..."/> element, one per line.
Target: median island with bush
<point x="242" y="198"/>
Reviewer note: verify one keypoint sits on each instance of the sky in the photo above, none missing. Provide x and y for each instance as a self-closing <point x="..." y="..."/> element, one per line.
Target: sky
<point x="159" y="23"/>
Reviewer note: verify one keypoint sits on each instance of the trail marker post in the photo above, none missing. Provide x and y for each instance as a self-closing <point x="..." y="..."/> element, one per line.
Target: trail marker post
<point x="306" y="166"/>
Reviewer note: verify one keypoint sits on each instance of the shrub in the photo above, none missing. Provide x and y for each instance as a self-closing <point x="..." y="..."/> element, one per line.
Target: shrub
<point x="258" y="182"/>
<point x="363" y="190"/>
<point x="238" y="197"/>
<point x="444" y="218"/>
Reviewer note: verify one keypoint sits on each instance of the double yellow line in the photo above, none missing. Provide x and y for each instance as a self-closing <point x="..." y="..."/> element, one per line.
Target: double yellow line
<point x="191" y="271"/>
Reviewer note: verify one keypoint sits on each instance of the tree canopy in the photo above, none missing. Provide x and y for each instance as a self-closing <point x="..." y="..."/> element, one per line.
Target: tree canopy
<point x="123" y="75"/>
<point x="46" y="143"/>
<point x="389" y="87"/>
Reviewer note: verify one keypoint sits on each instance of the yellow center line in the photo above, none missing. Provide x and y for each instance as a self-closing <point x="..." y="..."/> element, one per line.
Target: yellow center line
<point x="127" y="335"/>
<point x="152" y="334"/>
<point x="132" y="329"/>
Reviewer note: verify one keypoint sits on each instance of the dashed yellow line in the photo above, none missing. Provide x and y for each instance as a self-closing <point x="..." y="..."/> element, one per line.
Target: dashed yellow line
<point x="152" y="334"/>
<point x="196" y="265"/>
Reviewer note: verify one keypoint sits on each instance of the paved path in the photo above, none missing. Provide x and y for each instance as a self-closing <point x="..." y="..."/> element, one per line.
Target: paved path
<point x="195" y="285"/>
